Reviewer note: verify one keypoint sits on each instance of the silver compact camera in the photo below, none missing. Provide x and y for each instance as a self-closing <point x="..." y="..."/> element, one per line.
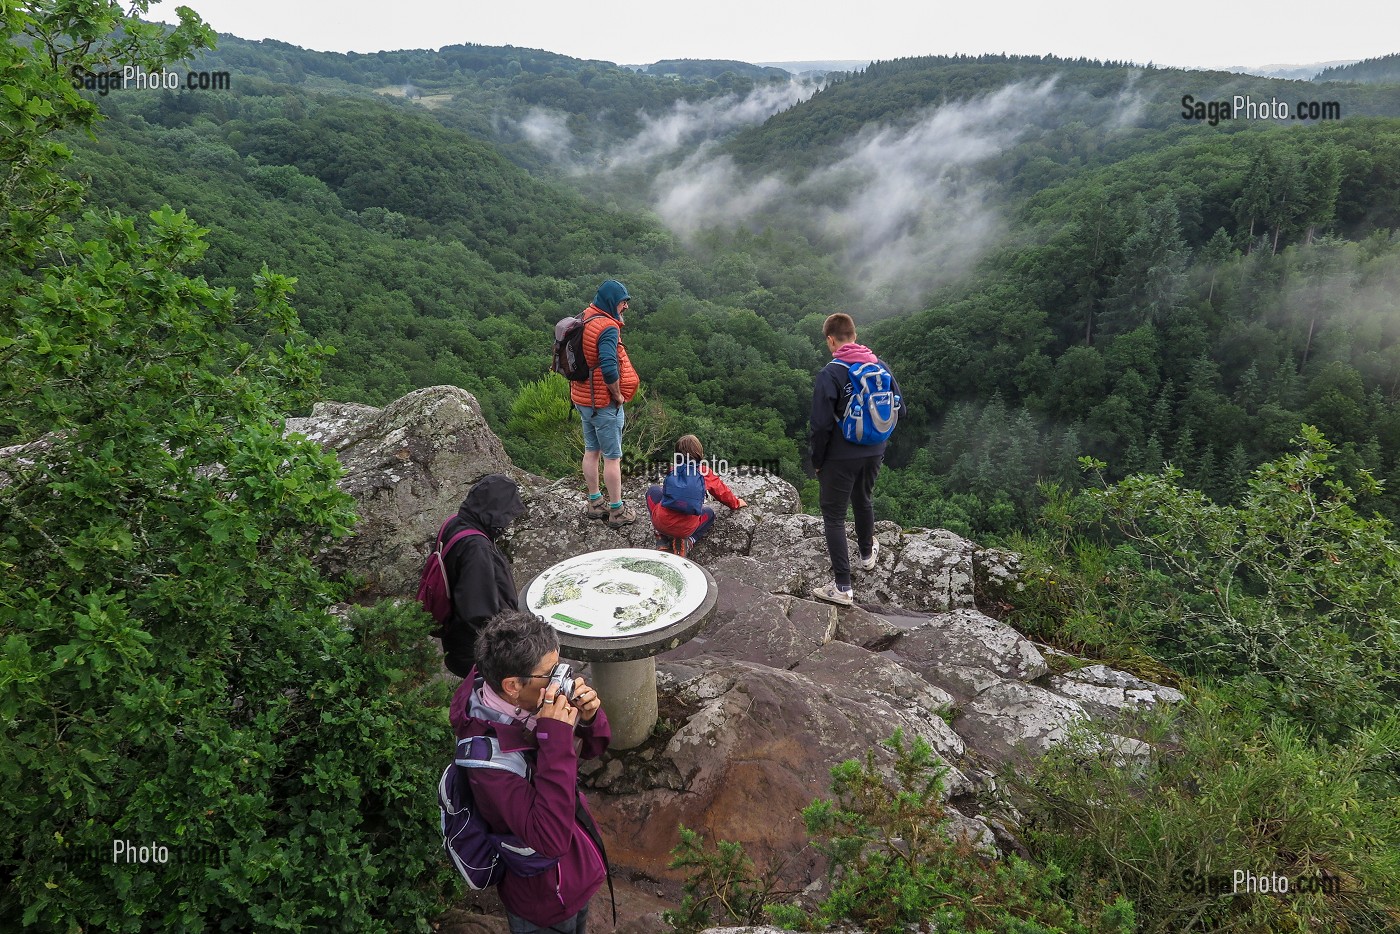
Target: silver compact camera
<point x="563" y="676"/>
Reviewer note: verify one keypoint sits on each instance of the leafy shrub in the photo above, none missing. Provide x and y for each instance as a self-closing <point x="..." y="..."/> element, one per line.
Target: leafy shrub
<point x="1237" y="792"/>
<point x="1292" y="594"/>
<point x="893" y="865"/>
<point x="723" y="879"/>
<point x="172" y="676"/>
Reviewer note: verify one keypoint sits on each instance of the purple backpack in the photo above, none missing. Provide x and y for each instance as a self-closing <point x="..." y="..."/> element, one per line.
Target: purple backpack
<point x="434" y="590"/>
<point x="481" y="856"/>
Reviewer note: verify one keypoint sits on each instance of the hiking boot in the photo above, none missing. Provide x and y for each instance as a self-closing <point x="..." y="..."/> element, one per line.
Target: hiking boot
<point x="622" y="515"/>
<point x="595" y="509"/>
<point x="830" y="593"/>
<point x="663" y="544"/>
<point x="681" y="546"/>
<point x="868" y="564"/>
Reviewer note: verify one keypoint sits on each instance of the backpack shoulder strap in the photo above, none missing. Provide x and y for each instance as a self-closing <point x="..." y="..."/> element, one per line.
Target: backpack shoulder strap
<point x="457" y="538"/>
<point x="484" y="752"/>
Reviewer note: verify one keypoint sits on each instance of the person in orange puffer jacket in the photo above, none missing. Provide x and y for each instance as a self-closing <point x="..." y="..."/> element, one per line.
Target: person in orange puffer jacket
<point x="599" y="400"/>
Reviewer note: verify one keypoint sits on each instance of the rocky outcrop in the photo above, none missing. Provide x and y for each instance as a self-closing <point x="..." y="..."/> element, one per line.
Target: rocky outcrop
<point x="969" y="639"/>
<point x="1110" y="694"/>
<point x="408" y="466"/>
<point x="755" y="745"/>
<point x="776" y="689"/>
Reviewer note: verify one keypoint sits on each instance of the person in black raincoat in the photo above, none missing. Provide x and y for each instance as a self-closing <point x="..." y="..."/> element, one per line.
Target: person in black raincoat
<point x="478" y="572"/>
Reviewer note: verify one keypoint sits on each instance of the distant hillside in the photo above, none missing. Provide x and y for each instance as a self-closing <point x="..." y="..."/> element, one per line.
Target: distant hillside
<point x="713" y="68"/>
<point x="1383" y="70"/>
<point x="819" y="68"/>
<point x="487" y="91"/>
<point x="1103" y="97"/>
<point x="424" y="68"/>
<point x="1305" y="71"/>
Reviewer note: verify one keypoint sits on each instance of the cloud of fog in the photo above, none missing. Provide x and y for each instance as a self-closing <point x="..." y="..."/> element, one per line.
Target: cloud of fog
<point x="690" y="124"/>
<point x="686" y="125"/>
<point x="708" y="191"/>
<point x="905" y="208"/>
<point x="548" y="130"/>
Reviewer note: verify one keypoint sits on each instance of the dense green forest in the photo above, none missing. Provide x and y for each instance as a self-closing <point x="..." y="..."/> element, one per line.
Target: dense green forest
<point x="1115" y="288"/>
<point x="1382" y="70"/>
<point x="1161" y="289"/>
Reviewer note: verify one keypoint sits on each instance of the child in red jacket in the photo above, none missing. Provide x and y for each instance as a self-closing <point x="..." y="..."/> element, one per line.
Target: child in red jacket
<point x="677" y="506"/>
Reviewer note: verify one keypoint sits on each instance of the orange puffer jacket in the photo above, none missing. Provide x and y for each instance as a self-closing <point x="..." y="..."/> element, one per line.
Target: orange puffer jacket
<point x="594" y="390"/>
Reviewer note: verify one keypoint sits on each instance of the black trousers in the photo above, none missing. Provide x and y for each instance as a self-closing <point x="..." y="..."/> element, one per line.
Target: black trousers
<point x="459" y="647"/>
<point x="848" y="483"/>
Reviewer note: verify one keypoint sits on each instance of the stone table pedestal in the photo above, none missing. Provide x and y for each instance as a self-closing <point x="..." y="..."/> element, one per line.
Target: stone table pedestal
<point x="618" y="609"/>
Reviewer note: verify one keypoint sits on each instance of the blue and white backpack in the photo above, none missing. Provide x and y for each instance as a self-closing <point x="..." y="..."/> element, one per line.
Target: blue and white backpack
<point x="873" y="408"/>
<point x="684" y="488"/>
<point x="481" y="856"/>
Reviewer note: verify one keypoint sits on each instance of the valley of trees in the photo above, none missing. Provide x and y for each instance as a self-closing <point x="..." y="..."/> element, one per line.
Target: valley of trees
<point x="1159" y="292"/>
<point x="1167" y="291"/>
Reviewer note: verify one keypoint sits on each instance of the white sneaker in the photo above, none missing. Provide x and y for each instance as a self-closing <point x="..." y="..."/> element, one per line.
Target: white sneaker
<point x="868" y="564"/>
<point x="833" y="594"/>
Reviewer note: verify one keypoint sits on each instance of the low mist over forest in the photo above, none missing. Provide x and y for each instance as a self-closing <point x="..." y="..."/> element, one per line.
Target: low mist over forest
<point x="1146" y="322"/>
<point x="1059" y="257"/>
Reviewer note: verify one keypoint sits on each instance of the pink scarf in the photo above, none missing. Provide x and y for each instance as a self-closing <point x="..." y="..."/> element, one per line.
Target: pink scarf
<point x="493" y="701"/>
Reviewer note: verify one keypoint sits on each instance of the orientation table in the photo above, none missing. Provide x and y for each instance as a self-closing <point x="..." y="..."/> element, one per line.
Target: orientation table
<point x="618" y="609"/>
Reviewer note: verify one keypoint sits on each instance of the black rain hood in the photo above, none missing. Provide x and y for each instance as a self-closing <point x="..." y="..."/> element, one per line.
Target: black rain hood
<point x="492" y="505"/>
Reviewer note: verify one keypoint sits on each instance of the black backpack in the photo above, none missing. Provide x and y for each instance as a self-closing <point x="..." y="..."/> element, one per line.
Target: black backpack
<point x="569" y="360"/>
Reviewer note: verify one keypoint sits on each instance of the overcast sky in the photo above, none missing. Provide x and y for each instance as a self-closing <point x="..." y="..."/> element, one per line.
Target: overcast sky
<point x="1199" y="33"/>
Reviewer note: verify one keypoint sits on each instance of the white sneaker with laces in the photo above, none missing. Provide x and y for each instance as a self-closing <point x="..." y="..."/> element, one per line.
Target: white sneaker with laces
<point x="833" y="594"/>
<point x="868" y="564"/>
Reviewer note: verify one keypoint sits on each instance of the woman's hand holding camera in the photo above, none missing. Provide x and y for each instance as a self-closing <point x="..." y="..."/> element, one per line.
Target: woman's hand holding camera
<point x="586" y="700"/>
<point x="558" y="707"/>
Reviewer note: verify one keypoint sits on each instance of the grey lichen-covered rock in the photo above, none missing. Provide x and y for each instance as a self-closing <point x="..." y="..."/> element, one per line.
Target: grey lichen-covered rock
<point x="795" y="548"/>
<point x="408" y="466"/>
<point x="963" y="682"/>
<point x="923" y="570"/>
<point x="765" y="492"/>
<point x="750" y="625"/>
<point x="997" y="575"/>
<point x="867" y="630"/>
<point x="839" y="665"/>
<point x="970" y="639"/>
<point x="930" y="569"/>
<point x="1109" y="694"/>
<point x="757" y="747"/>
<point x="763" y="575"/>
<point x="1015" y="722"/>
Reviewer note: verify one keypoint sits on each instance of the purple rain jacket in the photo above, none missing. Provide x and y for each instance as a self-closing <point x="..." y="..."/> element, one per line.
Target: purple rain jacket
<point x="540" y="811"/>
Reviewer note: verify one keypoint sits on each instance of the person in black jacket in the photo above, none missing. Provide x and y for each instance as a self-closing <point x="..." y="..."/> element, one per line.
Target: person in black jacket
<point x="477" y="571"/>
<point x="846" y="472"/>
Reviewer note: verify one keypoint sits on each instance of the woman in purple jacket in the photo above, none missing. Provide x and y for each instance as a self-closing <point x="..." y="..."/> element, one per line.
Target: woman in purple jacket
<point x="512" y="699"/>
